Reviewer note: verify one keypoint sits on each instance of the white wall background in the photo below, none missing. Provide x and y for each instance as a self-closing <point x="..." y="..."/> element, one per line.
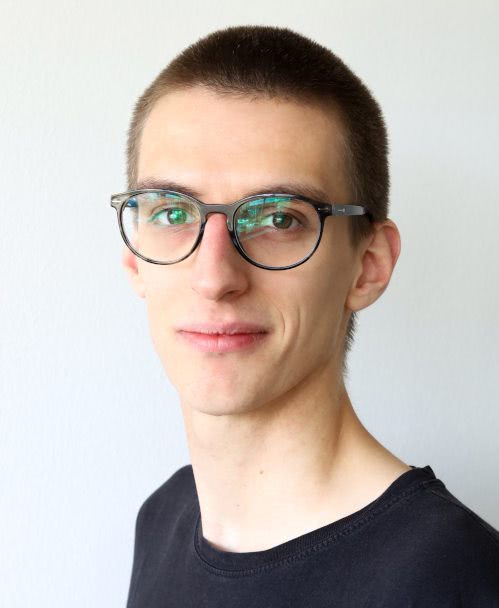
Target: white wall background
<point x="89" y="425"/>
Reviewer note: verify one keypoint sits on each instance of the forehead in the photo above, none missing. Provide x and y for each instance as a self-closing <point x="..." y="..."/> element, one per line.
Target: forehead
<point x="225" y="145"/>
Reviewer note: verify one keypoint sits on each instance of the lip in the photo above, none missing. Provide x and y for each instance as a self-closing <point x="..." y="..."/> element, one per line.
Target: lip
<point x="222" y="337"/>
<point x="233" y="327"/>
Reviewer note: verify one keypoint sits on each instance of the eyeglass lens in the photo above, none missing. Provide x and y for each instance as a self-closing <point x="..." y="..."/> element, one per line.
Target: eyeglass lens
<point x="272" y="231"/>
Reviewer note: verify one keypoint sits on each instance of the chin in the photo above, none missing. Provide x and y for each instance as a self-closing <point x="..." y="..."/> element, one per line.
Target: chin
<point x="215" y="403"/>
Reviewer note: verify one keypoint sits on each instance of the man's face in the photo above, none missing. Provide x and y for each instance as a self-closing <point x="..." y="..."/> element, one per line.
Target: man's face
<point x="224" y="148"/>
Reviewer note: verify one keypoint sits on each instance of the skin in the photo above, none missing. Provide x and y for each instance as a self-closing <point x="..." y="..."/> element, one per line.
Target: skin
<point x="272" y="425"/>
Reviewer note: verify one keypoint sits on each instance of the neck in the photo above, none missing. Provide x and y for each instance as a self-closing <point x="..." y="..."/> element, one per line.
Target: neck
<point x="275" y="472"/>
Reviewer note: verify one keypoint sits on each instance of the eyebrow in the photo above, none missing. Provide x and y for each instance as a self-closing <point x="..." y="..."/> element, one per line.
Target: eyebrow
<point x="299" y="188"/>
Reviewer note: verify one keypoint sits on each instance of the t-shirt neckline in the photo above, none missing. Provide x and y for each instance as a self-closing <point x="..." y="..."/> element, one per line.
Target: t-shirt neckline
<point x="246" y="562"/>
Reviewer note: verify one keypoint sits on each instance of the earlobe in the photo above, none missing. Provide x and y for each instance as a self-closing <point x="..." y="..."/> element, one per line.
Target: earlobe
<point x="375" y="265"/>
<point x="129" y="261"/>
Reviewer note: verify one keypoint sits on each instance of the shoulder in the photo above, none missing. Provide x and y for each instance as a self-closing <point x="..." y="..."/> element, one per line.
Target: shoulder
<point x="460" y="516"/>
<point x="444" y="550"/>
<point x="180" y="482"/>
<point x="455" y="528"/>
<point x="173" y="495"/>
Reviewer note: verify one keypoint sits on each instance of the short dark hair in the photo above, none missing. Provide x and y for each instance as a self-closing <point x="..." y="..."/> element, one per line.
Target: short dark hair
<point x="278" y="62"/>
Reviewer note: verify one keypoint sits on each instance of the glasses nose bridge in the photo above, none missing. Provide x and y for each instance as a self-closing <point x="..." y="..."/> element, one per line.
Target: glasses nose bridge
<point x="227" y="210"/>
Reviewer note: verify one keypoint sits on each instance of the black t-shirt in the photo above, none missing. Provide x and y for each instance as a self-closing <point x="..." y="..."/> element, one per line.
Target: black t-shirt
<point x="416" y="545"/>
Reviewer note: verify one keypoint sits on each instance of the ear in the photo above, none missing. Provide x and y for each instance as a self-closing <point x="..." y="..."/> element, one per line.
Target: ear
<point x="374" y="266"/>
<point x="129" y="261"/>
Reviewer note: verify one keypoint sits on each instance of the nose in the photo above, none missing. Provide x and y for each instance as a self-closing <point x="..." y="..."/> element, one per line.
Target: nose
<point x="218" y="269"/>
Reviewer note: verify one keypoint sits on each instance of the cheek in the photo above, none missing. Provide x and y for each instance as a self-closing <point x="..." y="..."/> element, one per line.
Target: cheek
<point x="308" y="308"/>
<point x="163" y="286"/>
<point x="321" y="295"/>
<point x="323" y="307"/>
<point x="162" y="298"/>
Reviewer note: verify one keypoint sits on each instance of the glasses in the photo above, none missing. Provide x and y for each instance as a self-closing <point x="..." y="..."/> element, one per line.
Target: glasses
<point x="272" y="231"/>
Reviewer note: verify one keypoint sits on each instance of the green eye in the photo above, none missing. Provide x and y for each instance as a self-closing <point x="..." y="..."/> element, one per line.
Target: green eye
<point x="176" y="216"/>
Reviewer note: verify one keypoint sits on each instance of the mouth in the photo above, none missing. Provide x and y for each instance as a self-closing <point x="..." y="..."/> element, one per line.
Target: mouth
<point x="222" y="337"/>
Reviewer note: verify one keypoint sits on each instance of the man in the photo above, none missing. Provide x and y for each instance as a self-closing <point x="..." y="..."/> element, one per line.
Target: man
<point x="238" y="154"/>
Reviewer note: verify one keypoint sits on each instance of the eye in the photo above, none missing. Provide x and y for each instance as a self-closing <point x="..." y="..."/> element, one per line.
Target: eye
<point x="171" y="215"/>
<point x="279" y="214"/>
<point x="281" y="220"/>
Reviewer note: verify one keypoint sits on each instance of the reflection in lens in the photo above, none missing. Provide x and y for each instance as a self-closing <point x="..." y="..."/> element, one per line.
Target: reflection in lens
<point x="161" y="226"/>
<point x="277" y="230"/>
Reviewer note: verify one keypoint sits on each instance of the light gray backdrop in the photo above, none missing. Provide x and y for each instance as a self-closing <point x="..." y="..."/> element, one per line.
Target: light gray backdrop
<point x="89" y="425"/>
